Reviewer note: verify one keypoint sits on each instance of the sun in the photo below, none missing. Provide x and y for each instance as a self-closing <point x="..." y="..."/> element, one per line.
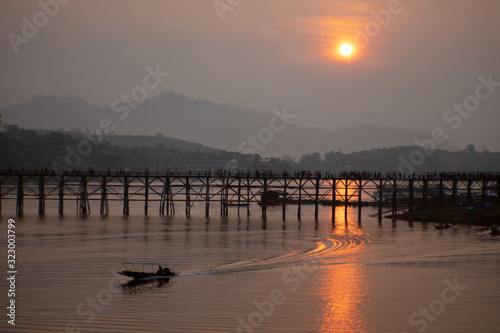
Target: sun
<point x="346" y="50"/>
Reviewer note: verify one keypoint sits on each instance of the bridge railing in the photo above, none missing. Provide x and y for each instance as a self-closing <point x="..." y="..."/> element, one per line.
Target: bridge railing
<point x="361" y="175"/>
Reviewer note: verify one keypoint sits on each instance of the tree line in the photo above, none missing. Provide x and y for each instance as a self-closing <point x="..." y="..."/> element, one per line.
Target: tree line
<point x="29" y="149"/>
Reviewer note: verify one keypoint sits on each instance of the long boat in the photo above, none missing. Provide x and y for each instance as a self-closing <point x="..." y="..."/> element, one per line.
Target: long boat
<point x="147" y="271"/>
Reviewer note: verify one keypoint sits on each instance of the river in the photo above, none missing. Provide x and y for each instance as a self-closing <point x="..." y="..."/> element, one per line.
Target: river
<point x="250" y="275"/>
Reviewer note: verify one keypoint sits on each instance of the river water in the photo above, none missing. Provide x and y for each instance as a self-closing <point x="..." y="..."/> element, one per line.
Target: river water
<point x="249" y="275"/>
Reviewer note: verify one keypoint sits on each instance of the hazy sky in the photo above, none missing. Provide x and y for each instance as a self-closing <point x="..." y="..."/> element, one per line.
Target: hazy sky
<point x="265" y="54"/>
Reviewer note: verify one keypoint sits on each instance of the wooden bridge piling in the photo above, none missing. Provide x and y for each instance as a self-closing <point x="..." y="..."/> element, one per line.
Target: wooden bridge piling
<point x="285" y="197"/>
<point x="394" y="197"/>
<point x="360" y="190"/>
<point x="316" y="198"/>
<point x="380" y="197"/>
<point x="248" y="196"/>
<point x="60" y="206"/>
<point x="126" y="207"/>
<point x="299" y="208"/>
<point x="146" y="194"/>
<point x="188" y="197"/>
<point x="222" y="198"/>
<point x="346" y="194"/>
<point x="104" y="209"/>
<point x="20" y="196"/>
<point x="82" y="202"/>
<point x="166" y="198"/>
<point x="264" y="200"/>
<point x="425" y="192"/>
<point x="41" y="195"/>
<point x="207" y="197"/>
<point x="411" y="195"/>
<point x="334" y="198"/>
<point x="226" y="197"/>
<point x="239" y="195"/>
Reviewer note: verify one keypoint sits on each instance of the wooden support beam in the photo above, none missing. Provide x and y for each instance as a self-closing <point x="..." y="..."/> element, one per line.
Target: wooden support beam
<point x="239" y="195"/>
<point x="126" y="208"/>
<point x="346" y="194"/>
<point x="226" y="207"/>
<point x="20" y="195"/>
<point x="82" y="202"/>
<point x="41" y="194"/>
<point x="380" y="198"/>
<point x="283" y="212"/>
<point x="222" y="198"/>
<point x="188" y="196"/>
<point x="394" y="196"/>
<point x="146" y="194"/>
<point x="104" y="196"/>
<point x="168" y="197"/>
<point x="207" y="198"/>
<point x="334" y="198"/>
<point x="316" y="198"/>
<point x="248" y="196"/>
<point x="264" y="200"/>
<point x="167" y="189"/>
<point x="360" y="191"/>
<point x="61" y="196"/>
<point x="299" y="209"/>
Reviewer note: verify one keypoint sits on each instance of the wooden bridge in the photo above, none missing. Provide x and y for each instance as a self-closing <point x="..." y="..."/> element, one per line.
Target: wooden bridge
<point x="162" y="190"/>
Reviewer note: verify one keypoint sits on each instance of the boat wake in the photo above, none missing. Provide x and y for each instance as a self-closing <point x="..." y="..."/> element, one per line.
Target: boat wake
<point x="335" y="249"/>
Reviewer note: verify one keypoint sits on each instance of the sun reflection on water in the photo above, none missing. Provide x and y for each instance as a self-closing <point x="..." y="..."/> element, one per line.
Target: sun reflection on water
<point x="345" y="296"/>
<point x="344" y="290"/>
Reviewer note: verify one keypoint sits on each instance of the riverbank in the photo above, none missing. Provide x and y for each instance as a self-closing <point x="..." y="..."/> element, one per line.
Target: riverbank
<point x="454" y="215"/>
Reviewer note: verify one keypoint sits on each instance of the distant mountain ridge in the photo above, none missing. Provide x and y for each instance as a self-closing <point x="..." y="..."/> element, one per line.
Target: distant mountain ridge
<point x="220" y="126"/>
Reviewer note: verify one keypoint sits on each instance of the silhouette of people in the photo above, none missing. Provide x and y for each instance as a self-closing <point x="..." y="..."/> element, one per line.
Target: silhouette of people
<point x="159" y="271"/>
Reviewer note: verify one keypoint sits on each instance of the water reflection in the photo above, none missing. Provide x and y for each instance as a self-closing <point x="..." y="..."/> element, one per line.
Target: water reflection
<point x="137" y="286"/>
<point x="344" y="217"/>
<point x="344" y="289"/>
<point x="345" y="296"/>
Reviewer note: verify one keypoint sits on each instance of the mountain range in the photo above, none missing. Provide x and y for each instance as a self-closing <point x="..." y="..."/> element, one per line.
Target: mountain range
<point x="220" y="126"/>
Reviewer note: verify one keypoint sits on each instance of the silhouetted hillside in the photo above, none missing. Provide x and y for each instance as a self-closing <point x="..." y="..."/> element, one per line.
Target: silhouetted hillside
<point x="220" y="126"/>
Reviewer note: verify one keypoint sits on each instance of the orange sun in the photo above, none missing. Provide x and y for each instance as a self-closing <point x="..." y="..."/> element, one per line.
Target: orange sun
<point x="346" y="50"/>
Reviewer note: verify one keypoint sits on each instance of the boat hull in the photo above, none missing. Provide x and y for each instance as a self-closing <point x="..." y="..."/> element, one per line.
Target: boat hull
<point x="143" y="275"/>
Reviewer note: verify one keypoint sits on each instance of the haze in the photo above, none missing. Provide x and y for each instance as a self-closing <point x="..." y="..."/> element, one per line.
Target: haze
<point x="267" y="54"/>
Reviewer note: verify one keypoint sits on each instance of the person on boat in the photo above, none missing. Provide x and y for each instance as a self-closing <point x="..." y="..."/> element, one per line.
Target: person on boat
<point x="167" y="271"/>
<point x="159" y="271"/>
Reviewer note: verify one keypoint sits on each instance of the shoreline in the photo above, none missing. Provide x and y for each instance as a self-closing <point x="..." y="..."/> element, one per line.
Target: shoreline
<point x="453" y="215"/>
